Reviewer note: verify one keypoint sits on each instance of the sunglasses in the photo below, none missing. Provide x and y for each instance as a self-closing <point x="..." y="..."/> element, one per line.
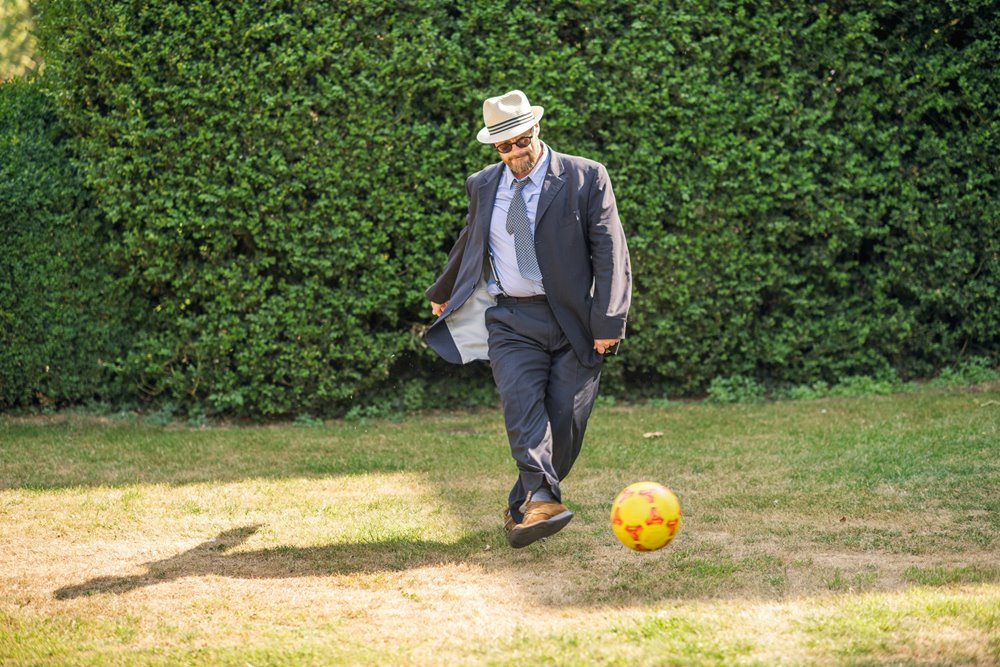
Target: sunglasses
<point x="520" y="142"/>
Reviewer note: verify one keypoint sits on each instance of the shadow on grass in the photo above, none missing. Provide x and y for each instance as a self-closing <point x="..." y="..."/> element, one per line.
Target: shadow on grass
<point x="210" y="558"/>
<point x="554" y="577"/>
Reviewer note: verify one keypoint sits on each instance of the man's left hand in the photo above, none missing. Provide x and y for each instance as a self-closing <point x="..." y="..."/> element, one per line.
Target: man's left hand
<point x="602" y="345"/>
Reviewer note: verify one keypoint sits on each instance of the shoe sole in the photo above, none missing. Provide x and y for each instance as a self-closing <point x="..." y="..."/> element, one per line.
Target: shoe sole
<point x="522" y="537"/>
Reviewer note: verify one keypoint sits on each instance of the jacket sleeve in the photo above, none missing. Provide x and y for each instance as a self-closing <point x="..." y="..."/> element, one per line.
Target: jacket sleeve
<point x="443" y="287"/>
<point x="610" y="258"/>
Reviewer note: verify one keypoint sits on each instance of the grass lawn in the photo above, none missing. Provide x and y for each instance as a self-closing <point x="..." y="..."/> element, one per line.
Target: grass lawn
<point x="848" y="531"/>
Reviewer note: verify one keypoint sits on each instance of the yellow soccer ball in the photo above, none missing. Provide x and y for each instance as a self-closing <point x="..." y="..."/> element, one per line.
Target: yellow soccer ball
<point x="645" y="516"/>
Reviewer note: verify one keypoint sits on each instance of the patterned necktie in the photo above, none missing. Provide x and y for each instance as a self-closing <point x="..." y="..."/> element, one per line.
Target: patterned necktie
<point x="524" y="244"/>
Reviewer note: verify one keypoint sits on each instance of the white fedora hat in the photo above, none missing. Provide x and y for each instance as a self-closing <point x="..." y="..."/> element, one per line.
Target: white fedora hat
<point x="507" y="116"/>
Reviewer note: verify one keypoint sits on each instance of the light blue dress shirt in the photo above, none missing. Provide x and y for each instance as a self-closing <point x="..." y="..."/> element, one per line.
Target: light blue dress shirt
<point x="502" y="242"/>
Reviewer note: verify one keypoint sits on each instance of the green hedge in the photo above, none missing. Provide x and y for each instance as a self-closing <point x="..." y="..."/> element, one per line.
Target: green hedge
<point x="809" y="190"/>
<point x="62" y="321"/>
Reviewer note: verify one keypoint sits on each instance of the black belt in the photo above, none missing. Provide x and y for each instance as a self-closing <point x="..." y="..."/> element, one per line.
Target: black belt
<point x="514" y="300"/>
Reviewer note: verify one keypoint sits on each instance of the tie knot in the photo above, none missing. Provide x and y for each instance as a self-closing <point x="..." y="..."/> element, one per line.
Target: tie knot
<point x="519" y="185"/>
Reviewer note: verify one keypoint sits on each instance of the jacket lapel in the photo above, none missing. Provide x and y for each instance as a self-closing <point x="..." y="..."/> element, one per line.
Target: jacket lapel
<point x="486" y="194"/>
<point x="554" y="181"/>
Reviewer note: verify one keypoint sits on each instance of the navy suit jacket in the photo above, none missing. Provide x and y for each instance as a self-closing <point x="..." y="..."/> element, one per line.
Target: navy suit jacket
<point x="581" y="252"/>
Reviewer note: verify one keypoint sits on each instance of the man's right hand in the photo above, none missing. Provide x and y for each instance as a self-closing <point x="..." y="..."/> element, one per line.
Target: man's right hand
<point x="438" y="308"/>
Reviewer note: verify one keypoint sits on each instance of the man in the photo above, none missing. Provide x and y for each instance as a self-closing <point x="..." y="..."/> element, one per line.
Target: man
<point x="538" y="282"/>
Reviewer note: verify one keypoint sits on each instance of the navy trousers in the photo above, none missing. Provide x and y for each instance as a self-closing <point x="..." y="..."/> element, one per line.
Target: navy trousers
<point x="547" y="394"/>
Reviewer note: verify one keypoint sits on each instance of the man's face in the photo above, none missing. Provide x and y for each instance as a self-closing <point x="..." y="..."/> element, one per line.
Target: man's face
<point x="522" y="160"/>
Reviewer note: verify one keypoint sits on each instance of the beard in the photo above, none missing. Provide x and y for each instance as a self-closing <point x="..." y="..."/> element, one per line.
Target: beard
<point x="523" y="163"/>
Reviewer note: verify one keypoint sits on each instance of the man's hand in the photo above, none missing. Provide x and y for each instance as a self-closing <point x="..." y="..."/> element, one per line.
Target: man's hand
<point x="438" y="308"/>
<point x="602" y="345"/>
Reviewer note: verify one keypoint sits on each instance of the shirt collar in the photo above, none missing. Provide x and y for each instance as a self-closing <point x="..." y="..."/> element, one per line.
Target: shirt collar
<point x="537" y="172"/>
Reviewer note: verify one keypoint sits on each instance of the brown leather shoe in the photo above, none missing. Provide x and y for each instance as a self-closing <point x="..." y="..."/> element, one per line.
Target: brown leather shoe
<point x="508" y="521"/>
<point x="541" y="519"/>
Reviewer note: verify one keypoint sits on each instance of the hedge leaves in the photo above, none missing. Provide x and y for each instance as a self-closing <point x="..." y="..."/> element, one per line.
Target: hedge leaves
<point x="810" y="191"/>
